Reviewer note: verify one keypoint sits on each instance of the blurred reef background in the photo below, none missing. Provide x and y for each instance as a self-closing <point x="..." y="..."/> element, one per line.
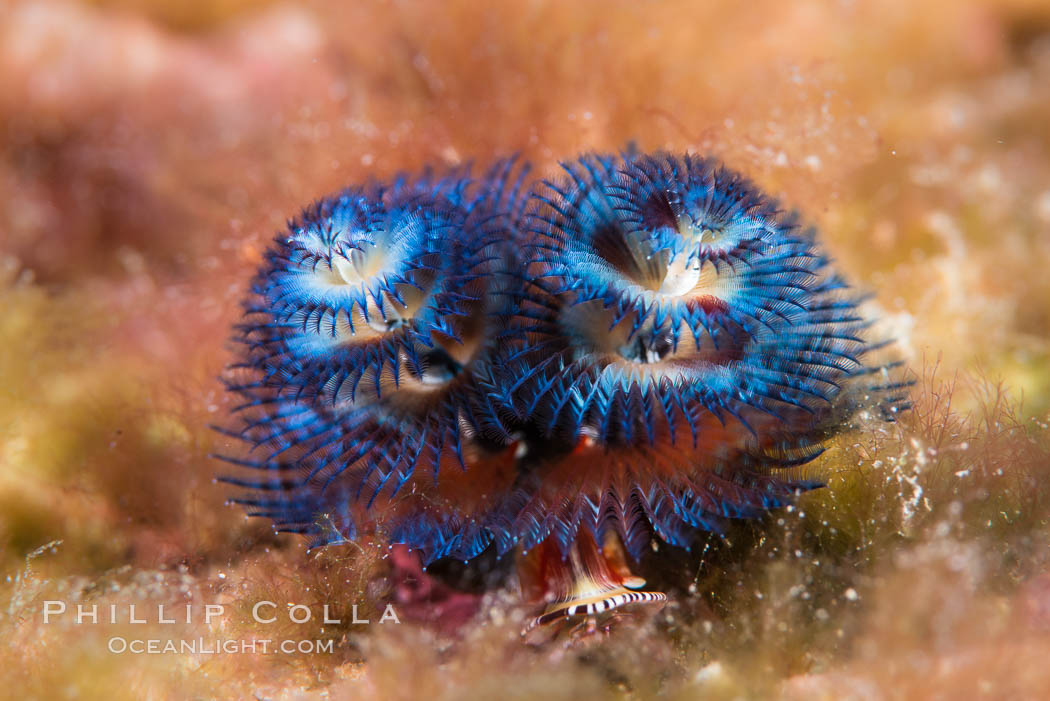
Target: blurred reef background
<point x="150" y="149"/>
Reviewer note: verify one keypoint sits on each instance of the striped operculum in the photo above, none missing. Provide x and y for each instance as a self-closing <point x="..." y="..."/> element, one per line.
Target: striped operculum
<point x="586" y="581"/>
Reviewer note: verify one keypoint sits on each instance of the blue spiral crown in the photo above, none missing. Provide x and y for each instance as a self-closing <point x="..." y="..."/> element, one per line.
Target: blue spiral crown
<point x="451" y="362"/>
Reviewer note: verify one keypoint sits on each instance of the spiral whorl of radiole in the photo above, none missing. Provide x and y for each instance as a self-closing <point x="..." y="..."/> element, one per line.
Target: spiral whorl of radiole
<point x="367" y="343"/>
<point x="647" y="345"/>
<point x="675" y="290"/>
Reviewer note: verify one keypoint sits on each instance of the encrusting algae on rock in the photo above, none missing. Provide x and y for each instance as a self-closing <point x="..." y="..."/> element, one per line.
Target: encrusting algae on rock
<point x="145" y="161"/>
